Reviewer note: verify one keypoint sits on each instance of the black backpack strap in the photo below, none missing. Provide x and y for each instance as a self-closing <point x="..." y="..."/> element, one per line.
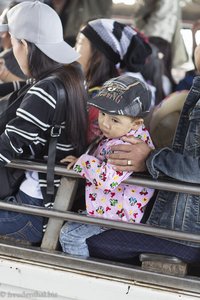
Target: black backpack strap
<point x="54" y="134"/>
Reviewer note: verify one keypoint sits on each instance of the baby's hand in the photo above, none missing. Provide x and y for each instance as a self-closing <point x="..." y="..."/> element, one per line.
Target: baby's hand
<point x="69" y="159"/>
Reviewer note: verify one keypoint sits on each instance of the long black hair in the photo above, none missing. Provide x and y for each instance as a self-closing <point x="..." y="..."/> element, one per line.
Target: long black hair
<point x="153" y="72"/>
<point x="72" y="78"/>
<point x="99" y="68"/>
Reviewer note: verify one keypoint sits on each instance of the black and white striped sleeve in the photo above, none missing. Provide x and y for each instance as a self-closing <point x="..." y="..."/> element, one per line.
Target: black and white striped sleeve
<point x="33" y="117"/>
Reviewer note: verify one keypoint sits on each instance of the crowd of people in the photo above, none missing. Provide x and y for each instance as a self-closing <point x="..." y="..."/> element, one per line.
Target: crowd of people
<point x="114" y="84"/>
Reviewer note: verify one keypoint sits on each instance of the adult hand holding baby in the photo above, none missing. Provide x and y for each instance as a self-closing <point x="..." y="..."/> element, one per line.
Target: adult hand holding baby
<point x="130" y="157"/>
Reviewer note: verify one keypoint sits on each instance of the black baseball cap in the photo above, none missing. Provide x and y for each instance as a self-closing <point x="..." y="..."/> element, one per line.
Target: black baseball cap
<point x="123" y="95"/>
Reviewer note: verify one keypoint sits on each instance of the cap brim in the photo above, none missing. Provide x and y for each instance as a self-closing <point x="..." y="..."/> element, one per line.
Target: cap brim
<point x="3" y="27"/>
<point x="109" y="106"/>
<point x="99" y="102"/>
<point x="60" y="52"/>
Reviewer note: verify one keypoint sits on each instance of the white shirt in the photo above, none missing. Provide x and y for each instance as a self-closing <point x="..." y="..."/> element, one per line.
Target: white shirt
<point x="151" y="87"/>
<point x="30" y="185"/>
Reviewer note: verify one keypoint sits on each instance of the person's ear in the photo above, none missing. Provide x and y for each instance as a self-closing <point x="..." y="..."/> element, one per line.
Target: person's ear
<point x="137" y="123"/>
<point x="25" y="45"/>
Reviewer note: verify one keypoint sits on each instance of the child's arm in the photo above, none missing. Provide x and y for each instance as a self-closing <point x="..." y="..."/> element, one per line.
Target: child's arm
<point x="99" y="173"/>
<point x="71" y="160"/>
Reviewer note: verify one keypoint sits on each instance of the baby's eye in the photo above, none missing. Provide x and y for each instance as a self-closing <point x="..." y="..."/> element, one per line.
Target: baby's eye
<point x="102" y="113"/>
<point x="115" y="121"/>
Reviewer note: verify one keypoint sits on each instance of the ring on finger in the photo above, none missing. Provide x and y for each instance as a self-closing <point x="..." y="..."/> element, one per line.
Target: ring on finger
<point x="129" y="163"/>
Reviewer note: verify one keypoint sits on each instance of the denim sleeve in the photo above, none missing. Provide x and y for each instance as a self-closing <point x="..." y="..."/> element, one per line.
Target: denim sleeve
<point x="176" y="165"/>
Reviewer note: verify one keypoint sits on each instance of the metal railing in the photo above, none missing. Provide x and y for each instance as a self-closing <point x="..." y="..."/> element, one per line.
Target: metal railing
<point x="143" y="180"/>
<point x="165" y="183"/>
<point x="92" y="266"/>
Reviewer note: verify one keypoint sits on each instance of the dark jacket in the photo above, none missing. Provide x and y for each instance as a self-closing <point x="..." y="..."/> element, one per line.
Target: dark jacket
<point x="179" y="211"/>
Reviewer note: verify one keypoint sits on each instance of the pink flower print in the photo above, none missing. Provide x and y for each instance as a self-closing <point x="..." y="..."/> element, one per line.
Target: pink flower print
<point x="87" y="164"/>
<point x="120" y="213"/>
<point x="93" y="196"/>
<point x="119" y="173"/>
<point x="106" y="191"/>
<point x="147" y="140"/>
<point x="88" y="183"/>
<point x="102" y="176"/>
<point x="144" y="129"/>
<point x="143" y="192"/>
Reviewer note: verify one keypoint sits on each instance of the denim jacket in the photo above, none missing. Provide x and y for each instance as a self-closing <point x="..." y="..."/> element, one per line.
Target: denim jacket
<point x="172" y="210"/>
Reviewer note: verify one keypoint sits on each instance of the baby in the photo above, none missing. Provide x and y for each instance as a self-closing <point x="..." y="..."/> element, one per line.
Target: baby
<point x="122" y="104"/>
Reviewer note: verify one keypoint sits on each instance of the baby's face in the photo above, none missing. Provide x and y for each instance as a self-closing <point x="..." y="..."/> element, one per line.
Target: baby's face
<point x="115" y="126"/>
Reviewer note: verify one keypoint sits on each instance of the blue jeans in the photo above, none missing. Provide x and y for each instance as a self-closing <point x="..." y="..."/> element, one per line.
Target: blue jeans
<point x="73" y="237"/>
<point x="125" y="247"/>
<point x="19" y="225"/>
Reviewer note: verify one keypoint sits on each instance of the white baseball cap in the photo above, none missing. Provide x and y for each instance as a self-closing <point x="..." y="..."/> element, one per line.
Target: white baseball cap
<point x="38" y="23"/>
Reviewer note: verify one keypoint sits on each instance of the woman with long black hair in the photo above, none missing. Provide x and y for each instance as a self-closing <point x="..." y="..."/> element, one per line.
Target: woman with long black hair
<point x="46" y="58"/>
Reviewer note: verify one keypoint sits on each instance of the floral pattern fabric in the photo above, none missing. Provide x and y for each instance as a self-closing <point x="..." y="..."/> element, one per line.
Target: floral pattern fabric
<point x="106" y="194"/>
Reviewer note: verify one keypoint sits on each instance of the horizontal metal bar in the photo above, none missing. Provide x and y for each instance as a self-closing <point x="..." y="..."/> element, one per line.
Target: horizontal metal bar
<point x="70" y="216"/>
<point x="141" y="180"/>
<point x="138" y="180"/>
<point x="95" y="267"/>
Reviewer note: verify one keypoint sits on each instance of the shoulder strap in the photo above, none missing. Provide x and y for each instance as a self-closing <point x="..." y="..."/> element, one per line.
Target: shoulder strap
<point x="54" y="134"/>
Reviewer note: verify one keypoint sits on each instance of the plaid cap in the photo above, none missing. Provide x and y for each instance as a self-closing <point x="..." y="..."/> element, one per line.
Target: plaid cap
<point x="123" y="95"/>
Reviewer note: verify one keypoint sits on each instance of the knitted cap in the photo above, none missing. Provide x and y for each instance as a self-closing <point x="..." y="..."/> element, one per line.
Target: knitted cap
<point x="123" y="95"/>
<point x="120" y="43"/>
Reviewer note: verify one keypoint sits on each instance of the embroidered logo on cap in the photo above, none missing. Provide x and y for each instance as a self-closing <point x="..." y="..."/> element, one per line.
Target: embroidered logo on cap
<point x="115" y="90"/>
